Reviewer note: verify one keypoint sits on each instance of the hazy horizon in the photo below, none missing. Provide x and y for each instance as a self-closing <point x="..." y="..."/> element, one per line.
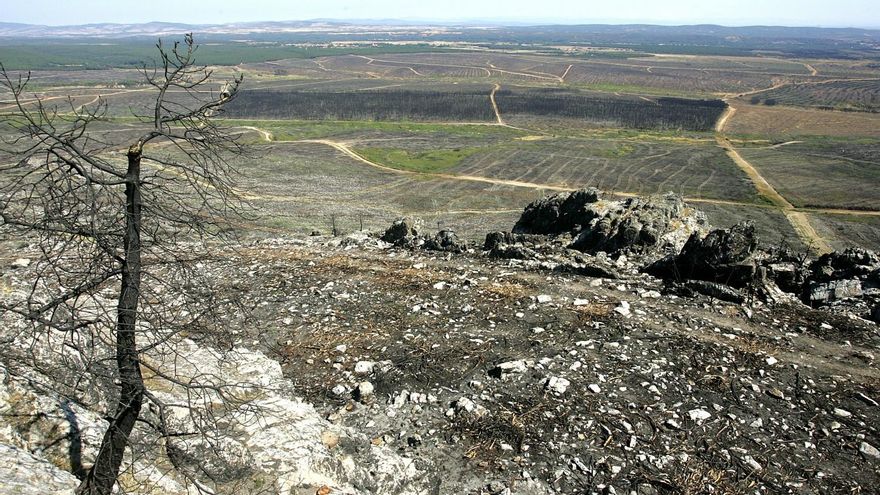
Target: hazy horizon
<point x="844" y="13"/>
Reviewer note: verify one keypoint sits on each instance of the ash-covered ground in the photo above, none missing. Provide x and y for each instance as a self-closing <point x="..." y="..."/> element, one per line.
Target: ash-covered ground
<point x="548" y="361"/>
<point x="499" y="375"/>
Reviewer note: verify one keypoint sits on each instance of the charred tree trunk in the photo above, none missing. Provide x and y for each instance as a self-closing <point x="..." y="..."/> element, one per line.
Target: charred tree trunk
<point x="103" y="474"/>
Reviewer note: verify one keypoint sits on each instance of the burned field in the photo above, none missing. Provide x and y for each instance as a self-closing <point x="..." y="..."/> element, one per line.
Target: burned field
<point x="475" y="105"/>
<point x="528" y="365"/>
<point x="512" y="378"/>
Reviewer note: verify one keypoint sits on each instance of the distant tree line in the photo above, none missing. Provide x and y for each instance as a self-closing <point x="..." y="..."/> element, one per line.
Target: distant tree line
<point x="659" y="113"/>
<point x="364" y="105"/>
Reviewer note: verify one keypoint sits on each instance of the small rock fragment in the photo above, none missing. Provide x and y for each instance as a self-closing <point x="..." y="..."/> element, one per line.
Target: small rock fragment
<point x="557" y="385"/>
<point x="869" y="450"/>
<point x="699" y="415"/>
<point x="364" y="391"/>
<point x="752" y="463"/>
<point x="364" y="367"/>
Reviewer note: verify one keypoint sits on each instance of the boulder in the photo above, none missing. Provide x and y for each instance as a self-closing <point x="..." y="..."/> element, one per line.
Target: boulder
<point x="404" y="232"/>
<point x="723" y="256"/>
<point x="718" y="291"/>
<point x="824" y="293"/>
<point x="445" y="240"/>
<point x="848" y="264"/>
<point x="639" y="225"/>
<point x="558" y="213"/>
<point x="496" y="239"/>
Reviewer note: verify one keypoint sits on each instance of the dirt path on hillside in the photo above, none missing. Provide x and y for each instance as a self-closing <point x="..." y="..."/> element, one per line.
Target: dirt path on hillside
<point x="798" y="219"/>
<point x="780" y="203"/>
<point x="565" y="74"/>
<point x="495" y="104"/>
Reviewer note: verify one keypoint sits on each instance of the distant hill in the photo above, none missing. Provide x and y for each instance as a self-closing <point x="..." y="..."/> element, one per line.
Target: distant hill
<point x="111" y="30"/>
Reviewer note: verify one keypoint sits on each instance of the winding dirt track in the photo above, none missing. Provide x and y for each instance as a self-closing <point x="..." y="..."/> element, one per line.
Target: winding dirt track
<point x="798" y="220"/>
<point x="495" y="104"/>
<point x="788" y="209"/>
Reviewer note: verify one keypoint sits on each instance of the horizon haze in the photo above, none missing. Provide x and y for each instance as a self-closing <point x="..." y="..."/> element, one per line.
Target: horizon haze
<point x="845" y="13"/>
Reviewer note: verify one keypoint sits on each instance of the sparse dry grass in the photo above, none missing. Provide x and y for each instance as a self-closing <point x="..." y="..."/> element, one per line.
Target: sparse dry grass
<point x="784" y="122"/>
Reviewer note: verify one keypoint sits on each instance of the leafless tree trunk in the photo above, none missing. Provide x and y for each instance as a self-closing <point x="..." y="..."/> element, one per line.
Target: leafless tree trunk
<point x="66" y="187"/>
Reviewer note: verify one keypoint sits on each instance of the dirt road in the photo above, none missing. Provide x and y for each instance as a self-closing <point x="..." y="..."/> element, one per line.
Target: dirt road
<point x="495" y="104"/>
<point x="799" y="220"/>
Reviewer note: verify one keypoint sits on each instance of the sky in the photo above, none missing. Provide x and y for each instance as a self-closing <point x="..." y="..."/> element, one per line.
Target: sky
<point x="825" y="13"/>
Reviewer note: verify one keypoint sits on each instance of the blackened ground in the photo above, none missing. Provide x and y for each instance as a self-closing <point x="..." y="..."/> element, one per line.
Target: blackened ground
<point x="661" y="395"/>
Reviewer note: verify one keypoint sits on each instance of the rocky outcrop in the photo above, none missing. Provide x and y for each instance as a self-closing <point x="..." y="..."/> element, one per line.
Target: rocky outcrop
<point x="636" y="225"/>
<point x="842" y="275"/>
<point x="23" y="473"/>
<point x="266" y="439"/>
<point x="404" y="232"/>
<point x="445" y="240"/>
<point x="559" y="213"/>
<point x="849" y="264"/>
<point x="639" y="225"/>
<point x="723" y="256"/>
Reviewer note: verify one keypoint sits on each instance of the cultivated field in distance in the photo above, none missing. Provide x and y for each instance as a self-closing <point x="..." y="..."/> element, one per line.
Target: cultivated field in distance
<point x="464" y="128"/>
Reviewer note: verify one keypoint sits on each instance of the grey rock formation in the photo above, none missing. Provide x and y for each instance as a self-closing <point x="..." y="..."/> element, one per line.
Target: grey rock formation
<point x="723" y="256"/>
<point x="445" y="240"/>
<point x="640" y="225"/>
<point x="835" y="290"/>
<point x="848" y="264"/>
<point x="558" y="213"/>
<point x="633" y="225"/>
<point x="404" y="232"/>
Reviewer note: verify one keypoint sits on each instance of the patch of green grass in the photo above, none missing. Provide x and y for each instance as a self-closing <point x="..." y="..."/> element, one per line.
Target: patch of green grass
<point x="427" y="161"/>
<point x="619" y="151"/>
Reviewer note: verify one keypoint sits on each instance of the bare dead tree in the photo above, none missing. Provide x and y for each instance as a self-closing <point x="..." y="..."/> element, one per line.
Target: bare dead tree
<point x="110" y="215"/>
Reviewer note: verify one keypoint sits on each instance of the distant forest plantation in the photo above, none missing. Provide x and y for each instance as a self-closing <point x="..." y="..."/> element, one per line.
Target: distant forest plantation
<point x="476" y="106"/>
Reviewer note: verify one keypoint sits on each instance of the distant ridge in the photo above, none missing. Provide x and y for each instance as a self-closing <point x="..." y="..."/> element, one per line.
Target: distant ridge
<point x="113" y="30"/>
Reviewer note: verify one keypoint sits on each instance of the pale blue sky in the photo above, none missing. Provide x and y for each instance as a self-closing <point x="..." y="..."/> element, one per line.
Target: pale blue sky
<point x="857" y="13"/>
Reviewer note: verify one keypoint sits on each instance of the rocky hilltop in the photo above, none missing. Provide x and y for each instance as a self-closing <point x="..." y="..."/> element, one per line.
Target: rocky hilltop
<point x="600" y="346"/>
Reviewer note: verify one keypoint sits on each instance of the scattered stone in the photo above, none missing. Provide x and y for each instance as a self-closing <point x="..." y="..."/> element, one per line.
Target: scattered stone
<point x="364" y="392"/>
<point x="869" y="450"/>
<point x="557" y="385"/>
<point x="364" y="367"/>
<point x="623" y="309"/>
<point x="508" y="368"/>
<point x="21" y="263"/>
<point x="330" y="439"/>
<point x="776" y="393"/>
<point x="752" y="463"/>
<point x="771" y="360"/>
<point x="842" y="413"/>
<point x="594" y="388"/>
<point x="544" y="299"/>
<point x="699" y="415"/>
